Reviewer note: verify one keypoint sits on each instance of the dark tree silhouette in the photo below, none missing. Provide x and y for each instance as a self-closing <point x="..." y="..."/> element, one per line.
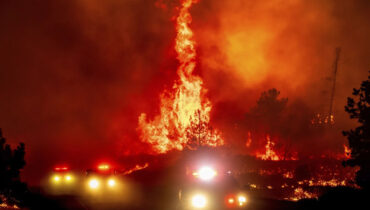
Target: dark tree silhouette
<point x="11" y="163"/>
<point x="358" y="108"/>
<point x="266" y="114"/>
<point x="269" y="104"/>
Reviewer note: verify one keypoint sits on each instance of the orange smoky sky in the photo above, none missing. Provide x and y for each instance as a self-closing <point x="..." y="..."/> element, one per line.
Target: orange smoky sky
<point x="75" y="75"/>
<point x="247" y="47"/>
<point x="286" y="44"/>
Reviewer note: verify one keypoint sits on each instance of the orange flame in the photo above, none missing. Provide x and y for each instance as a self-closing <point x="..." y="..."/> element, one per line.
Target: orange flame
<point x="299" y="194"/>
<point x="347" y="152"/>
<point x="6" y="206"/>
<point x="167" y="131"/>
<point x="323" y="119"/>
<point x="269" y="154"/>
<point x="136" y="168"/>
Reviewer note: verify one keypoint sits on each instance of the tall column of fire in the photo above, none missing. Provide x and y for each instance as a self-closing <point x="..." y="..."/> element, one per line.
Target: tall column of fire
<point x="185" y="100"/>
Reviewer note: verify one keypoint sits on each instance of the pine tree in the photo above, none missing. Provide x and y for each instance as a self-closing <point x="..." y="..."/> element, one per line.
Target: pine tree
<point x="358" y="108"/>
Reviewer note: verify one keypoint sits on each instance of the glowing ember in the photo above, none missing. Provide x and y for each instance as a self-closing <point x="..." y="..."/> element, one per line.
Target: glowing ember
<point x="136" y="168"/>
<point x="300" y="194"/>
<point x="4" y="203"/>
<point x="288" y="175"/>
<point x="269" y="154"/>
<point x="347" y="152"/>
<point x="327" y="183"/>
<point x="5" y="206"/>
<point x="322" y="119"/>
<point x="249" y="140"/>
<point x="187" y="99"/>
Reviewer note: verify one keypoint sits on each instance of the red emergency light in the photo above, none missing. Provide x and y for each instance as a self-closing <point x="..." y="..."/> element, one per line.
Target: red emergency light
<point x="233" y="200"/>
<point x="103" y="167"/>
<point x="61" y="168"/>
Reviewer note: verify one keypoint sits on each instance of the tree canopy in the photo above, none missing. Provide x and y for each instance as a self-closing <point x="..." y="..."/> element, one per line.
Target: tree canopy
<point x="358" y="108"/>
<point x="266" y="115"/>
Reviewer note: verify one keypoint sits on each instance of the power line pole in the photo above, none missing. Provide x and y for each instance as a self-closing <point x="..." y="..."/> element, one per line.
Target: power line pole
<point x="335" y="66"/>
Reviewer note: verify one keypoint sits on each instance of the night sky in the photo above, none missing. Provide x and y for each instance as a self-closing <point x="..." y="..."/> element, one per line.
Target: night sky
<point x="75" y="75"/>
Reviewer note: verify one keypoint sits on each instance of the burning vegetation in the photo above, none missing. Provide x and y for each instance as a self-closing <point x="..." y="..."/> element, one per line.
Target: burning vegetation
<point x="274" y="163"/>
<point x="270" y="154"/>
<point x="184" y="106"/>
<point x="136" y="168"/>
<point x="279" y="148"/>
<point x="292" y="179"/>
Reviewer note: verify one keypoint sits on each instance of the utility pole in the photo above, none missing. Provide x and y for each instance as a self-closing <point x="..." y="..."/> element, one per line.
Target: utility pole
<point x="335" y="66"/>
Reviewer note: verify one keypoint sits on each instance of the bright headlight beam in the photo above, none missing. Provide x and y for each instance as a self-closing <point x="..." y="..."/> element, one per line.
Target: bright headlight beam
<point x="242" y="200"/>
<point x="199" y="201"/>
<point x="206" y="173"/>
<point x="111" y="183"/>
<point x="56" y="178"/>
<point x="93" y="183"/>
<point x="68" y="178"/>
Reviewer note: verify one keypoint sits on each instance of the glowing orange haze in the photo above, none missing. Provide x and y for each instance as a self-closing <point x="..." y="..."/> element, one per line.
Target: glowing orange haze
<point x="180" y="105"/>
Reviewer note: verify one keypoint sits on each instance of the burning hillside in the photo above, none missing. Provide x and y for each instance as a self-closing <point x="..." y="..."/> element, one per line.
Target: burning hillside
<point x="255" y="91"/>
<point x="293" y="179"/>
<point x="278" y="165"/>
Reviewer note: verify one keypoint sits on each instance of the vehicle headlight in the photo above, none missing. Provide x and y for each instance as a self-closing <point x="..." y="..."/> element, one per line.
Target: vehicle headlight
<point x="206" y="173"/>
<point x="68" y="178"/>
<point x="94" y="183"/>
<point x="56" y="179"/>
<point x="242" y="200"/>
<point x="111" y="182"/>
<point x="199" y="201"/>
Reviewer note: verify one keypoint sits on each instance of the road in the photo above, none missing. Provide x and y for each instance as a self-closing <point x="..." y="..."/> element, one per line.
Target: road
<point x="151" y="199"/>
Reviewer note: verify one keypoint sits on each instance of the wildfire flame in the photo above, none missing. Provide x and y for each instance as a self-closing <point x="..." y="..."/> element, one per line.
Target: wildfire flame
<point x="187" y="99"/>
<point x="136" y="168"/>
<point x="299" y="194"/>
<point x="4" y="203"/>
<point x="6" y="206"/>
<point x="323" y="119"/>
<point x="347" y="152"/>
<point x="269" y="154"/>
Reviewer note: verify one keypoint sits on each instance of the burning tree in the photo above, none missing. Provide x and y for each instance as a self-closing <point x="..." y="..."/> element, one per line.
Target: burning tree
<point x="267" y="121"/>
<point x="187" y="98"/>
<point x="200" y="133"/>
<point x="359" y="138"/>
<point x="269" y="153"/>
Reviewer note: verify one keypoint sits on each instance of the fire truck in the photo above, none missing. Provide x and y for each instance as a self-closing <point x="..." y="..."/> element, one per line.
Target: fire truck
<point x="62" y="180"/>
<point x="102" y="179"/>
<point x="208" y="187"/>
